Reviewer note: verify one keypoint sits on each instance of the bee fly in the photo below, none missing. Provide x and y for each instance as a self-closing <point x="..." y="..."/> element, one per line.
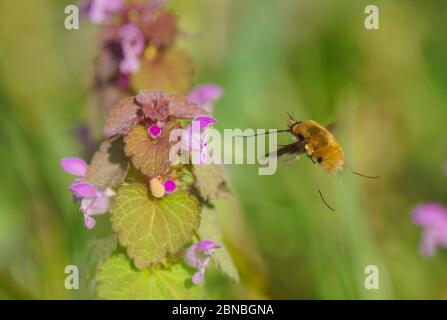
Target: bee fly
<point x="318" y="143"/>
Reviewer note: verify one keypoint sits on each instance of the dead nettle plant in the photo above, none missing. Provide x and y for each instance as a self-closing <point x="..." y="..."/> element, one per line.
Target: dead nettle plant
<point x="153" y="230"/>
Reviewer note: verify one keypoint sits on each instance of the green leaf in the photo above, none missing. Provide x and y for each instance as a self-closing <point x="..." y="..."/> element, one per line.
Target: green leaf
<point x="109" y="165"/>
<point x="122" y="117"/>
<point x="118" y="279"/>
<point x="150" y="228"/>
<point x="210" y="230"/>
<point x="150" y="156"/>
<point x="210" y="182"/>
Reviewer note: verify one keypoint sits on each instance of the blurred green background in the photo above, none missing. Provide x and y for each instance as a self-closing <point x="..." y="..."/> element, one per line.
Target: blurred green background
<point x="386" y="88"/>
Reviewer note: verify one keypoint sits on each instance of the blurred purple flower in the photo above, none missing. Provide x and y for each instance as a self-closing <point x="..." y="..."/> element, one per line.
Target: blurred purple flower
<point x="99" y="10"/>
<point x="132" y="44"/>
<point x="432" y="217"/>
<point x="205" y="96"/>
<point x="93" y="201"/>
<point x="195" y="139"/>
<point x="123" y="80"/>
<point x="198" y="256"/>
<point x="169" y="185"/>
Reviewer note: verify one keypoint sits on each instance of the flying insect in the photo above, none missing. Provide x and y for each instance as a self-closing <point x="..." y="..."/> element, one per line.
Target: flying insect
<point x="319" y="144"/>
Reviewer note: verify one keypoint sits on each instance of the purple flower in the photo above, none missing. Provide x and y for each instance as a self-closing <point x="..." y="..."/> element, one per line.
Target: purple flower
<point x="74" y="166"/>
<point x="432" y="217"/>
<point x="99" y="10"/>
<point x="198" y="256"/>
<point x="93" y="201"/>
<point x="205" y="96"/>
<point x="170" y="185"/>
<point x="132" y="44"/>
<point x="195" y="139"/>
<point x="204" y="121"/>
<point x="154" y="130"/>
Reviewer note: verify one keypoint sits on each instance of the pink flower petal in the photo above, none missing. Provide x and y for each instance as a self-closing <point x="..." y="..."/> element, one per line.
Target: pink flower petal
<point x="130" y="64"/>
<point x="191" y="141"/>
<point x="198" y="277"/>
<point x="430" y="214"/>
<point x="206" y="245"/>
<point x="100" y="205"/>
<point x="191" y="258"/>
<point x="132" y="39"/>
<point x="430" y="242"/>
<point x="204" y="121"/>
<point x="205" y="94"/>
<point x="198" y="257"/>
<point x="83" y="189"/>
<point x="432" y="217"/>
<point x="204" y="154"/>
<point x="100" y="10"/>
<point x="154" y="130"/>
<point x="194" y="137"/>
<point x="132" y="44"/>
<point x="89" y="222"/>
<point x="74" y="166"/>
<point x="170" y="186"/>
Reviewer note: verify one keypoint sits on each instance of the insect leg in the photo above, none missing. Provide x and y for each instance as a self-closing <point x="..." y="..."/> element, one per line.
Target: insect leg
<point x="318" y="187"/>
<point x="265" y="133"/>
<point x="360" y="174"/>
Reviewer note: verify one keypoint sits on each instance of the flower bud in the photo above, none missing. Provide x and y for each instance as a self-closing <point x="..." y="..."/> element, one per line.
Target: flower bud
<point x="157" y="188"/>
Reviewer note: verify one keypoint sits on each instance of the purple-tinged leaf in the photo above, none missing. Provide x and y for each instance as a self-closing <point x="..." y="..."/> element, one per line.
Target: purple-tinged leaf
<point x="150" y="156"/>
<point x="123" y="116"/>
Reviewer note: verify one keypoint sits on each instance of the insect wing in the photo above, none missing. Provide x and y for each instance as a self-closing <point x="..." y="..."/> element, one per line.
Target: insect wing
<point x="288" y="153"/>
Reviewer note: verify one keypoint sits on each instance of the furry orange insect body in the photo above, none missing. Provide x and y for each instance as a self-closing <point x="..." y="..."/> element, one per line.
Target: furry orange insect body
<point x="320" y="145"/>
